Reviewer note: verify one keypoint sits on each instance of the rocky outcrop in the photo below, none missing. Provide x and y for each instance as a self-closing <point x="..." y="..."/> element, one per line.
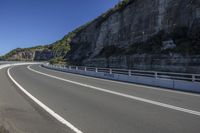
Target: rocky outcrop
<point x="22" y="56"/>
<point x="29" y="54"/>
<point x="43" y="55"/>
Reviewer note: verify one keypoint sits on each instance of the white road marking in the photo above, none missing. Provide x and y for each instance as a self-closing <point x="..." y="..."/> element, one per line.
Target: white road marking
<point x="17" y="64"/>
<point x="132" y="84"/>
<point x="42" y="105"/>
<point x="122" y="95"/>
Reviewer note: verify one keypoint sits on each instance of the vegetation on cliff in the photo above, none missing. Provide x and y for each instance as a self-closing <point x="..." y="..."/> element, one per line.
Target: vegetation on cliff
<point x="119" y="7"/>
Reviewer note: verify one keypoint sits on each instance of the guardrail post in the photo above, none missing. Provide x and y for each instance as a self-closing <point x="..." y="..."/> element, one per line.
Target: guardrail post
<point x="156" y="75"/>
<point x="96" y="70"/>
<point x="193" y="78"/>
<point x="85" y="69"/>
<point x="110" y="71"/>
<point x="76" y="68"/>
<point x="129" y="73"/>
<point x="70" y="68"/>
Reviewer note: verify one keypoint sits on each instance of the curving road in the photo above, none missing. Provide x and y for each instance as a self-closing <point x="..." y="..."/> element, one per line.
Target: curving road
<point x="91" y="105"/>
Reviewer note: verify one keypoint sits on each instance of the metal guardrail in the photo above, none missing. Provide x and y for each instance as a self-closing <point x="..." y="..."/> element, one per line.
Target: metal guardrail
<point x="155" y="74"/>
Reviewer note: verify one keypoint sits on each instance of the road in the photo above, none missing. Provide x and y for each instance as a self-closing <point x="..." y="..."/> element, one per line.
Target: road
<point x="7" y="62"/>
<point x="3" y="62"/>
<point x="92" y="105"/>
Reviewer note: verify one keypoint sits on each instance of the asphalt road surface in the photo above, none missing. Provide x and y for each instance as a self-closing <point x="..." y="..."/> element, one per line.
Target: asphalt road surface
<point x="91" y="105"/>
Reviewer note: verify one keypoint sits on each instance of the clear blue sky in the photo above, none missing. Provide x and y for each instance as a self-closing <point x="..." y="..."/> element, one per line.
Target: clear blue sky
<point x="25" y="23"/>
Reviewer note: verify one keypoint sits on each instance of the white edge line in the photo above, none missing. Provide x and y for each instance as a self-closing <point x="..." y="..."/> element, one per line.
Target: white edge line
<point x="123" y="95"/>
<point x="17" y="64"/>
<point x="42" y="105"/>
<point x="131" y="84"/>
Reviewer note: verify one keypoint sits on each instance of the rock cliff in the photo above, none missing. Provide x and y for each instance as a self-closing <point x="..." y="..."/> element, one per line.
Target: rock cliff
<point x="39" y="53"/>
<point x="140" y="33"/>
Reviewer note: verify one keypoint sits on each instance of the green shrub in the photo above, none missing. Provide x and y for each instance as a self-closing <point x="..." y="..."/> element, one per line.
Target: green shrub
<point x="57" y="60"/>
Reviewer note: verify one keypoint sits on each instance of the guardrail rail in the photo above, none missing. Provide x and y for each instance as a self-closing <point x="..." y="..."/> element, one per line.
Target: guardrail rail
<point x="154" y="74"/>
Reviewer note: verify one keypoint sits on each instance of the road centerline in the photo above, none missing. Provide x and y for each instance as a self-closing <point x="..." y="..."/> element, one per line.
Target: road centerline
<point x="193" y="112"/>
